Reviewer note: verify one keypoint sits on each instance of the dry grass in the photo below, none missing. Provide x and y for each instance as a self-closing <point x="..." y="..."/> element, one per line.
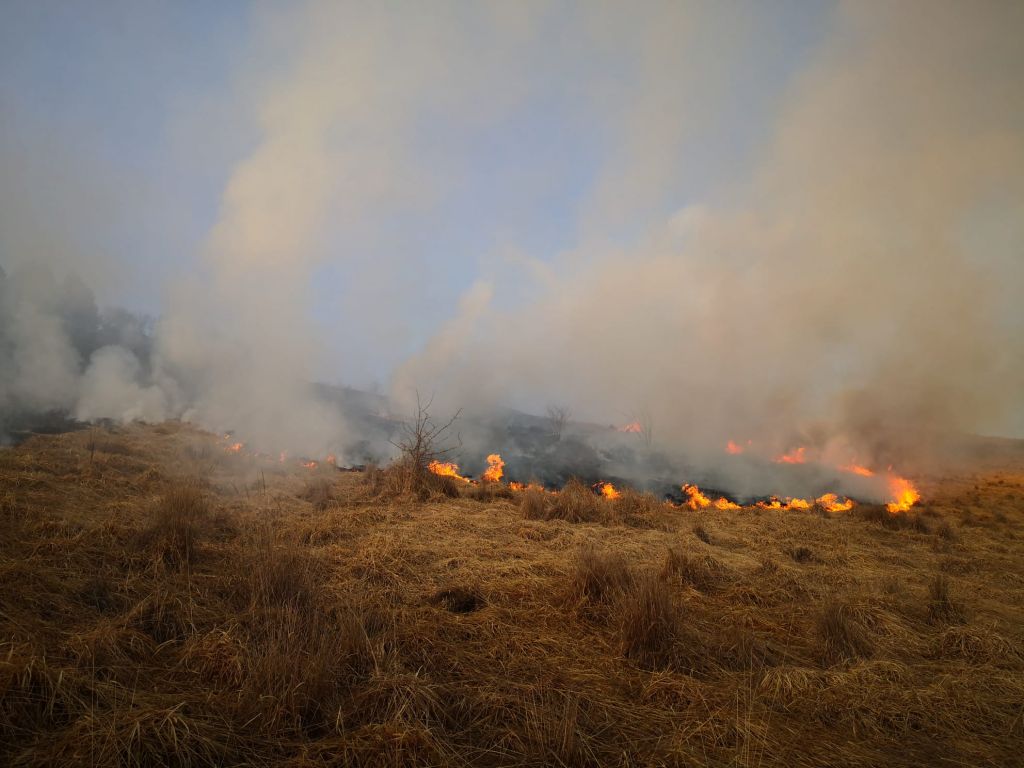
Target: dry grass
<point x="178" y="520"/>
<point x="254" y="616"/>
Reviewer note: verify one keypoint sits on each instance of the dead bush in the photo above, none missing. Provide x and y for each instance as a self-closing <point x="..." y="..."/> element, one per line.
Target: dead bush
<point x="843" y="637"/>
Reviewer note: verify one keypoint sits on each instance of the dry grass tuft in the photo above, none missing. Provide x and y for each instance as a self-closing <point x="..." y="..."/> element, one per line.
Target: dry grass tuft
<point x="598" y="577"/>
<point x="650" y="623"/>
<point x="843" y="637"/>
<point x="178" y="520"/>
<point x="577" y="503"/>
<point x="636" y="509"/>
<point x="488" y="491"/>
<point x="702" y="572"/>
<point x="319" y="492"/>
<point x="534" y="504"/>
<point x="942" y="608"/>
<point x="702" y="533"/>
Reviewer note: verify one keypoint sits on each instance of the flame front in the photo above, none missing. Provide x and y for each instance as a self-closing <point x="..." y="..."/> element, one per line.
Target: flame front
<point x="694" y="498"/>
<point x="633" y="426"/>
<point x="904" y="494"/>
<point x="446" y="469"/>
<point x="495" y="468"/>
<point x="608" y="491"/>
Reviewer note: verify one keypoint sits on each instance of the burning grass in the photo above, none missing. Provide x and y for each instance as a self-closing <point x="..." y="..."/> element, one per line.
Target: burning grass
<point x="241" y="614"/>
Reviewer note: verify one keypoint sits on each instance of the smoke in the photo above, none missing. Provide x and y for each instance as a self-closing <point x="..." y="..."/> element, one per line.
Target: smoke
<point x="851" y="295"/>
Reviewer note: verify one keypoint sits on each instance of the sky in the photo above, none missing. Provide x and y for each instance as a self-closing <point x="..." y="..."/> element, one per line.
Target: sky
<point x="747" y="217"/>
<point x="124" y="121"/>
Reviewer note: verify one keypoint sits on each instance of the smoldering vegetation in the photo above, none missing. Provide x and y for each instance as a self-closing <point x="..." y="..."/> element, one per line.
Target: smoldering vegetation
<point x="173" y="603"/>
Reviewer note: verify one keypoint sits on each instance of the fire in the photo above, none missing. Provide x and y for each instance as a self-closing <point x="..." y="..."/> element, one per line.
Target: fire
<point x="309" y="464"/>
<point x="798" y="504"/>
<point x="772" y="503"/>
<point x="332" y="459"/>
<point x="831" y="502"/>
<point x="495" y="469"/>
<point x="793" y="457"/>
<point x="234" y="447"/>
<point x="724" y="503"/>
<point x="608" y="491"/>
<point x="447" y="469"/>
<point x="633" y="426"/>
<point x="904" y="494"/>
<point x="694" y="498"/>
<point x="527" y="487"/>
<point x="858" y="470"/>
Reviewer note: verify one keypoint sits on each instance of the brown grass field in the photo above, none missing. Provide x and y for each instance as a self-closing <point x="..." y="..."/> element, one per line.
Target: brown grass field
<point x="166" y="602"/>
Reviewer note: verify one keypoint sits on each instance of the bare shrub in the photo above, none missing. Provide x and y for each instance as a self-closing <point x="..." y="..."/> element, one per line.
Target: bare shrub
<point x="558" y="418"/>
<point x="843" y="636"/>
<point x="421" y="442"/>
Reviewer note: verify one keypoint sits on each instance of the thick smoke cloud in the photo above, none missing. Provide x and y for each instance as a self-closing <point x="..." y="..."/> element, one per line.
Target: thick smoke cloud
<point x="850" y="296"/>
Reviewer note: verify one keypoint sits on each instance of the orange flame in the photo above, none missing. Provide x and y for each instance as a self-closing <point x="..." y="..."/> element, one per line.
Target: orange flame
<point x="798" y="504"/>
<point x="772" y="503"/>
<point x="831" y="503"/>
<point x="793" y="457"/>
<point x="904" y="494"/>
<point x="723" y="503"/>
<point x="234" y="447"/>
<point x="733" y="448"/>
<point x="608" y="491"/>
<point x="633" y="426"/>
<point x="332" y="459"/>
<point x="309" y="464"/>
<point x="446" y="469"/>
<point x="495" y="469"/>
<point x="694" y="498"/>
